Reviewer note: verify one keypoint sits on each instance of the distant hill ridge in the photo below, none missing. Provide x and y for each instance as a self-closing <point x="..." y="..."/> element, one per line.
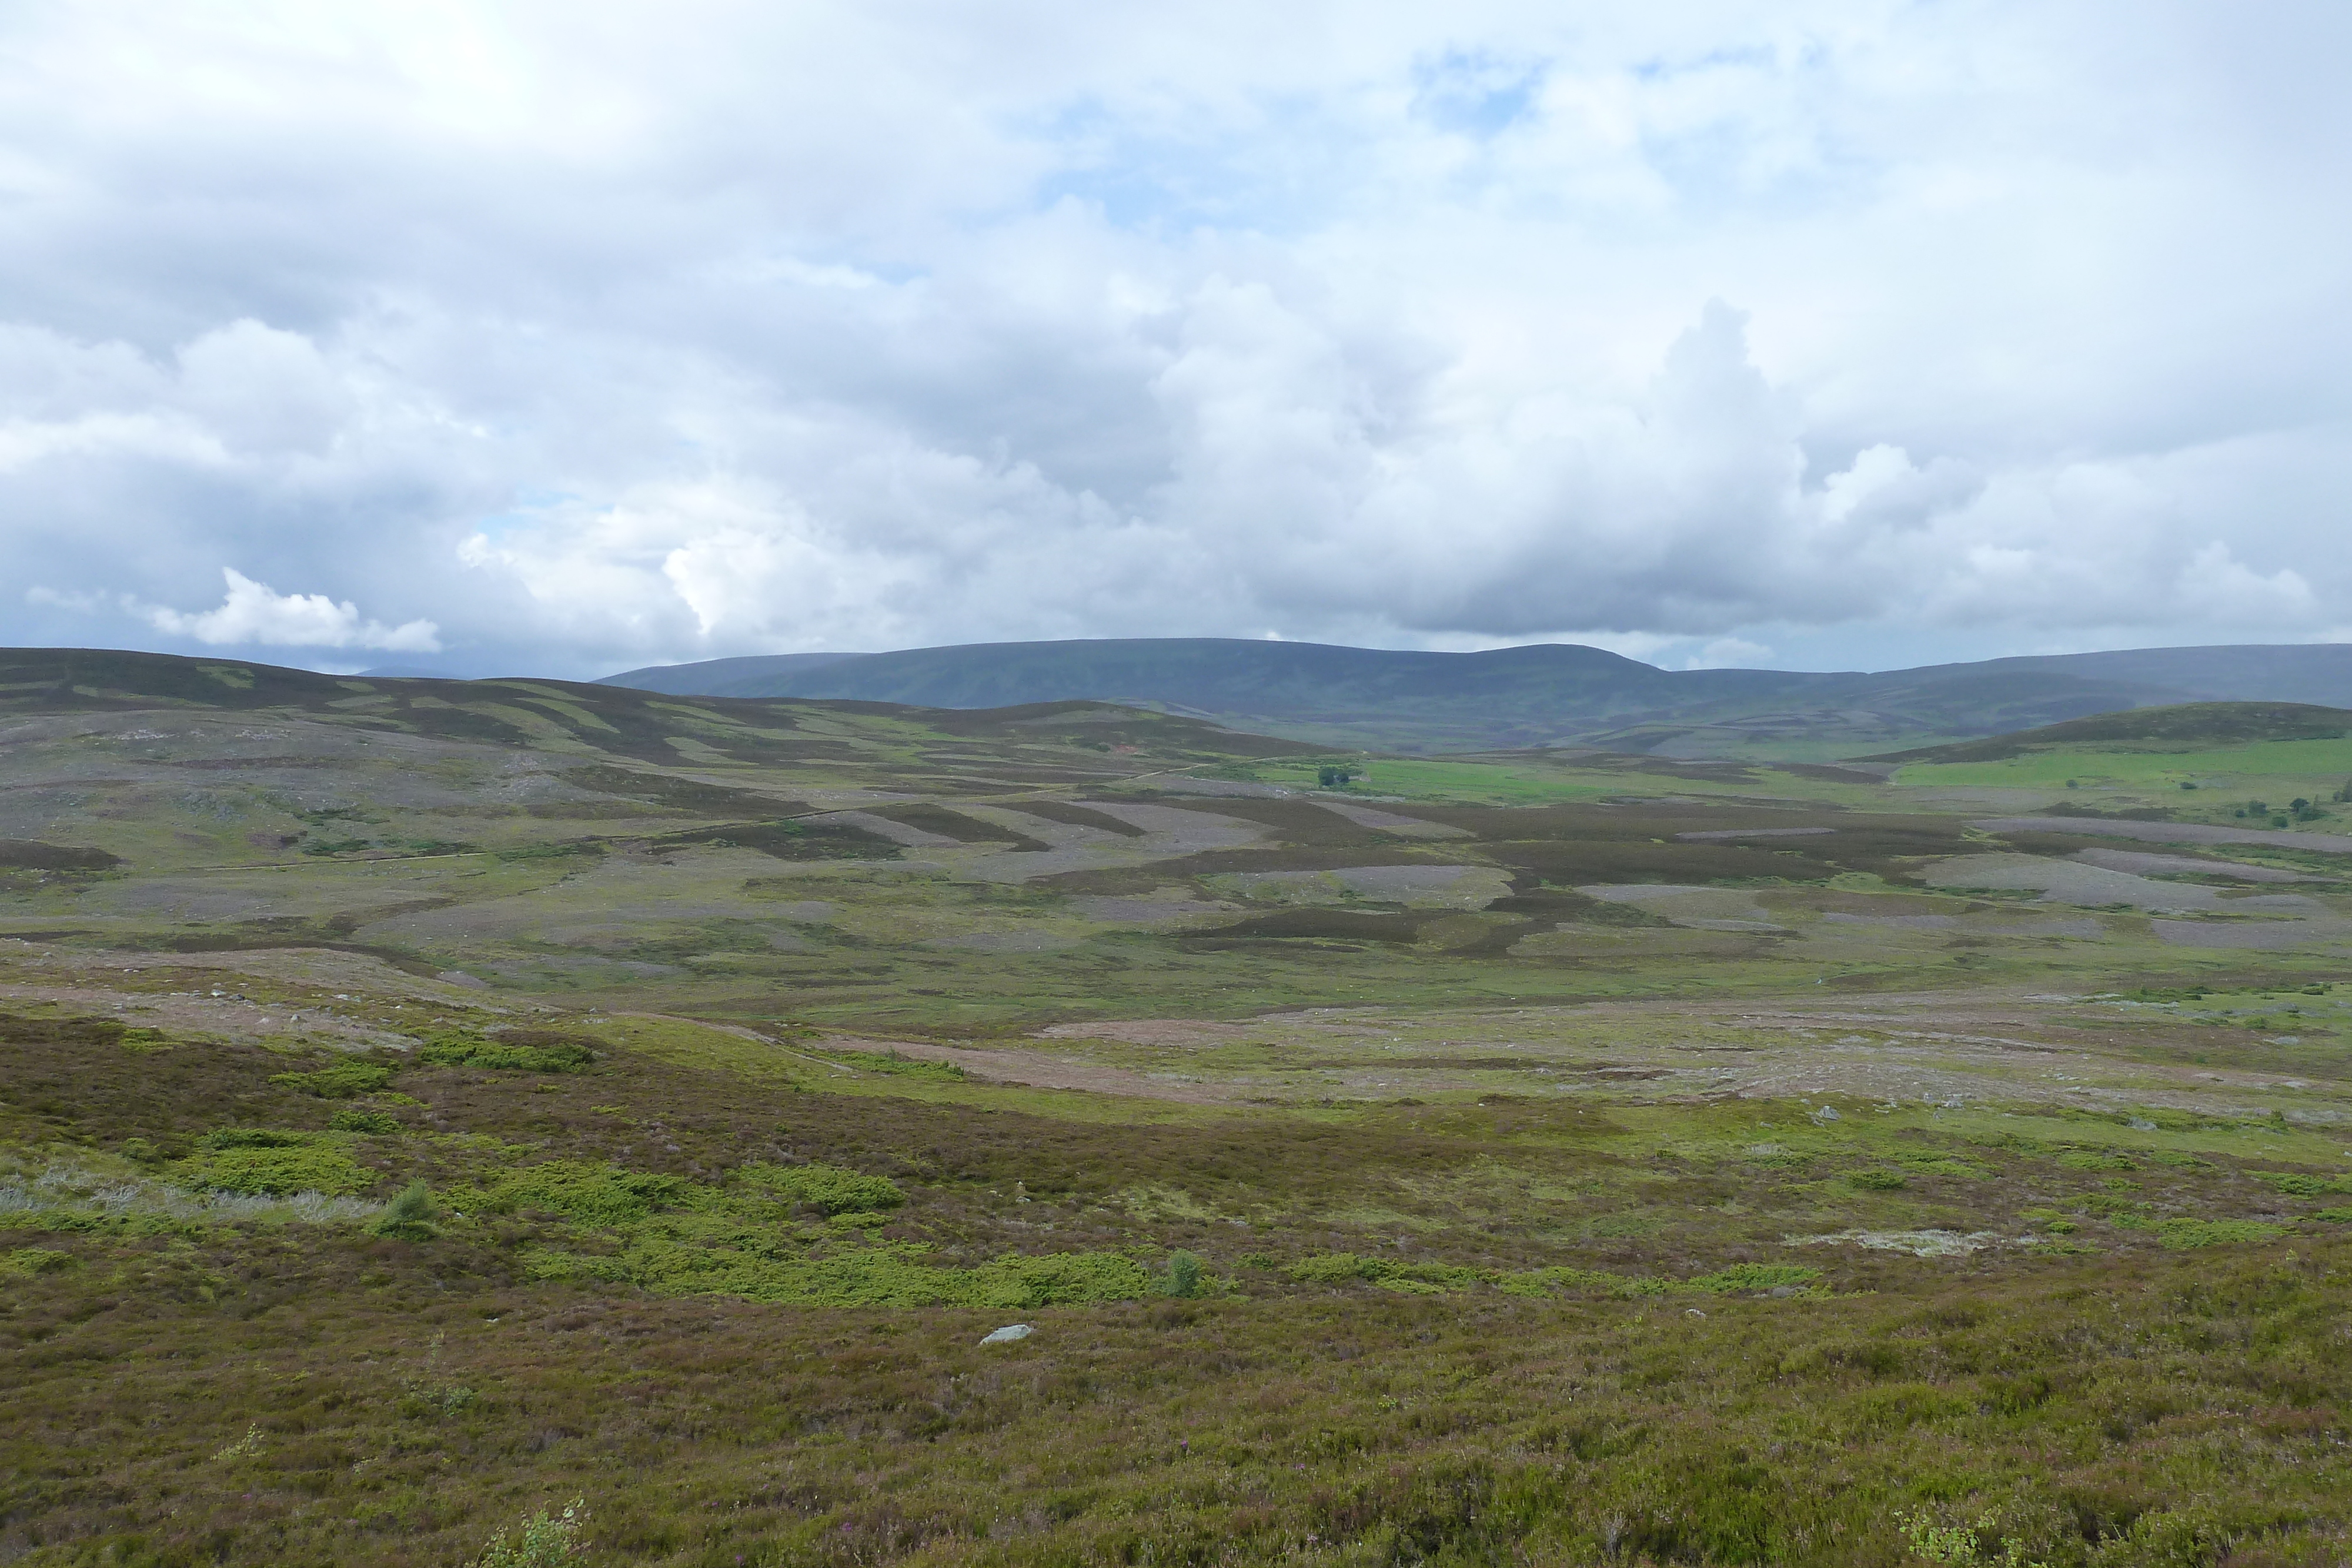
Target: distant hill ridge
<point x="2189" y="726"/>
<point x="1549" y="693"/>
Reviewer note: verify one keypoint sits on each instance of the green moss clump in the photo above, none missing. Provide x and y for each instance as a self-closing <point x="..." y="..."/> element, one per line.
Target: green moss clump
<point x="828" y="1187"/>
<point x="342" y="1081"/>
<point x="264" y="1160"/>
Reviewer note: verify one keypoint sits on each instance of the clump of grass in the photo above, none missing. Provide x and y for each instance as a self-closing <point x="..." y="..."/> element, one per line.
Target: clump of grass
<point x="408" y="1217"/>
<point x="1877" y="1180"/>
<point x="351" y="1119"/>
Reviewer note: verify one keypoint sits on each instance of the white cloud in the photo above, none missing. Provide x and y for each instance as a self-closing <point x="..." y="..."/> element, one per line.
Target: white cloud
<point x="255" y="614"/>
<point x="585" y="336"/>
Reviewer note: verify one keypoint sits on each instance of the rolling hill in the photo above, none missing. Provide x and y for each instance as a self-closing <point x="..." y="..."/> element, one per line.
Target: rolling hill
<point x="1544" y="694"/>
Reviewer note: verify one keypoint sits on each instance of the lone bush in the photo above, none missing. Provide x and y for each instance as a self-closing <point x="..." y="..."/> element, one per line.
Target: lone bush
<point x="1183" y="1275"/>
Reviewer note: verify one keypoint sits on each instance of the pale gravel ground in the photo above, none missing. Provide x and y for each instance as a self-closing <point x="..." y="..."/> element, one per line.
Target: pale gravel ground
<point x="1390" y="822"/>
<point x="2170" y="833"/>
<point x="1416" y="887"/>
<point x="1709" y="834"/>
<point x="898" y="832"/>
<point x="1178" y="784"/>
<point x="1699" y="908"/>
<point x="2141" y="863"/>
<point x="2268" y="937"/>
<point x="2068" y="881"/>
<point x="1898" y="922"/>
<point x="1170" y="830"/>
<point x="1146" y="911"/>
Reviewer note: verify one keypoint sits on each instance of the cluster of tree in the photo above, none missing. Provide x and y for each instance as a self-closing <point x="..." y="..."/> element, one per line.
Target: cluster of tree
<point x="2295" y="810"/>
<point x="1333" y="778"/>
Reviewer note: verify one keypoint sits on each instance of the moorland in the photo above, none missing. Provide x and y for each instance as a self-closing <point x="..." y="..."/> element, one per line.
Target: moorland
<point x="423" y="1104"/>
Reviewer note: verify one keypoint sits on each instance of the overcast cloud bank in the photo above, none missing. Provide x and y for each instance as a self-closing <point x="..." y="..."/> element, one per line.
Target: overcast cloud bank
<point x="577" y="338"/>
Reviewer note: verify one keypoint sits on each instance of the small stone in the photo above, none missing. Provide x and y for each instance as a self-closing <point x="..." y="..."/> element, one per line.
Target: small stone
<point x="1008" y="1333"/>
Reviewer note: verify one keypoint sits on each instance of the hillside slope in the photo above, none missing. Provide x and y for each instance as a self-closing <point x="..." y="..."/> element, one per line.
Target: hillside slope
<point x="2184" y="727"/>
<point x="1542" y="695"/>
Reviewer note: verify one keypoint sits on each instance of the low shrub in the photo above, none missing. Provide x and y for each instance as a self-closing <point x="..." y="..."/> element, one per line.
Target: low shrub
<point x="514" y="1051"/>
<point x="257" y="1160"/>
<point x="583" y="1190"/>
<point x="342" y="1081"/>
<point x="351" y="1119"/>
<point x="828" y="1187"/>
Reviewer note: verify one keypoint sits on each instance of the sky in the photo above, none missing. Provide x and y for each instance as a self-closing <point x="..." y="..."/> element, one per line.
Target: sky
<point x="569" y="337"/>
